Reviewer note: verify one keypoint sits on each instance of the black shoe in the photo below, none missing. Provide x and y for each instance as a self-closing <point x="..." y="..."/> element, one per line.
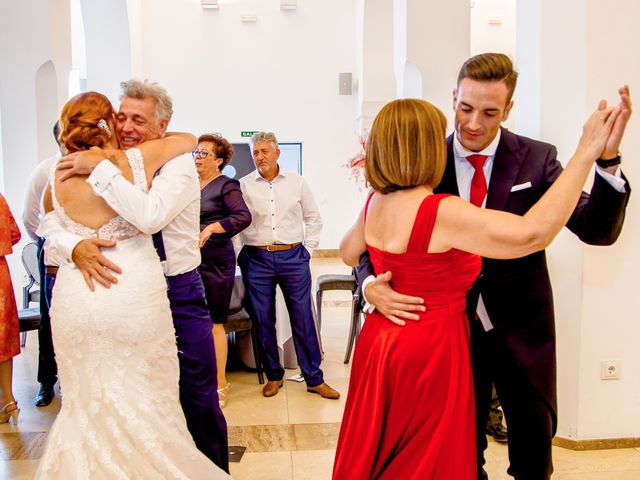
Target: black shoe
<point x="45" y="395"/>
<point x="498" y="432"/>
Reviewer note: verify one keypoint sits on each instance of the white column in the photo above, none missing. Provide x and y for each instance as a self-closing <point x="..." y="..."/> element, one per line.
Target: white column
<point x="437" y="44"/>
<point x="106" y="28"/>
<point x="571" y="54"/>
<point x="376" y="79"/>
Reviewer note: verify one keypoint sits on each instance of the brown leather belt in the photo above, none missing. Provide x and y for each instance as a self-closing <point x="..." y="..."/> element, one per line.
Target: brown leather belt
<point x="51" y="270"/>
<point x="278" y="247"/>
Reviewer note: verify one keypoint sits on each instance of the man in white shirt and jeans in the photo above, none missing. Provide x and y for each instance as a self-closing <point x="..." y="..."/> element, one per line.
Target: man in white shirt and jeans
<point x="285" y="228"/>
<point x="172" y="208"/>
<point x="31" y="218"/>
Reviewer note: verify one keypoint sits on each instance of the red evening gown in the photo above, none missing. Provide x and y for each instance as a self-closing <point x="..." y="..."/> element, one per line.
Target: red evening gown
<point x="410" y="408"/>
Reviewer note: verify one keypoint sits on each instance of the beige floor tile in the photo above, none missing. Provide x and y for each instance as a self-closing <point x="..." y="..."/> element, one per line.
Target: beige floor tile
<point x="25" y="387"/>
<point x="335" y="370"/>
<point x="335" y="330"/>
<point x="305" y="407"/>
<point x="312" y="464"/>
<point x="571" y="461"/>
<point x="31" y="418"/>
<point x="264" y="438"/>
<point x="625" y="475"/>
<point x="497" y="461"/>
<point x="316" y="436"/>
<point x="18" y="469"/>
<point x="263" y="466"/>
<point x="22" y="445"/>
<point x="323" y="266"/>
<point x="247" y="406"/>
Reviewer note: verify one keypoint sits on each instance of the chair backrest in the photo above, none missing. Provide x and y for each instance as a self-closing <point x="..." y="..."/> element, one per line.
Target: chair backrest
<point x="30" y="262"/>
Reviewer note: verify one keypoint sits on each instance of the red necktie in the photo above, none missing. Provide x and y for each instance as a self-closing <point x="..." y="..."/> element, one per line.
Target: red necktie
<point x="478" y="182"/>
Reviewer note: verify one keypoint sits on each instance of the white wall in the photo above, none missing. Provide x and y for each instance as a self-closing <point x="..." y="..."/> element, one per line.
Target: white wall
<point x="493" y="29"/>
<point x="610" y="299"/>
<point x="278" y="74"/>
<point x="437" y="44"/>
<point x="595" y="299"/>
<point x="493" y="26"/>
<point x="35" y="59"/>
<point x="107" y="45"/>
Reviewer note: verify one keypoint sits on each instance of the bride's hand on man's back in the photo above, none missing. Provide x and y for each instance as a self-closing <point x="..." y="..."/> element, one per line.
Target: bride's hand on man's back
<point x="80" y="163"/>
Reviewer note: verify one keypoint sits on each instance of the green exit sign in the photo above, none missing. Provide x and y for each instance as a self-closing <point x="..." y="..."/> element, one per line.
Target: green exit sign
<point x="248" y="133"/>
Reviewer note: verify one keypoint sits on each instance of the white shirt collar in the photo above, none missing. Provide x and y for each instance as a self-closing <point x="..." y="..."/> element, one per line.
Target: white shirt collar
<point x="490" y="150"/>
<point x="281" y="173"/>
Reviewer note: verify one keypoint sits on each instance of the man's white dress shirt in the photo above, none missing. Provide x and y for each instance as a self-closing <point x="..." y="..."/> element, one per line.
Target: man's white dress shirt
<point x="283" y="210"/>
<point x="33" y="209"/>
<point x="172" y="206"/>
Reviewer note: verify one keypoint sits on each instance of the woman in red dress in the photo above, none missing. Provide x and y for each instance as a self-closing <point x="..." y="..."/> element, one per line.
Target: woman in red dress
<point x="410" y="408"/>
<point x="9" y="326"/>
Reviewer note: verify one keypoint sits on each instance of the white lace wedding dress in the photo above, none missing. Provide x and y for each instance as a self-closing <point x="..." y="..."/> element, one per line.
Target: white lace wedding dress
<point x="118" y="367"/>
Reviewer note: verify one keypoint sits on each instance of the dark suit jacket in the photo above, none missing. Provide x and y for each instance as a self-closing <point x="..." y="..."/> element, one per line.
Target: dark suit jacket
<point x="517" y="293"/>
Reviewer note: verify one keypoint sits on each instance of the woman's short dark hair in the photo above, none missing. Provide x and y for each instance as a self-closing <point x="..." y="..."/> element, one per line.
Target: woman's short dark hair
<point x="222" y="149"/>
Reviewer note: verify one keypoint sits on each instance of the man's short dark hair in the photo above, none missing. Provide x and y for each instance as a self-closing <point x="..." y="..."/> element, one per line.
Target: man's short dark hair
<point x="56" y="131"/>
<point x="490" y="67"/>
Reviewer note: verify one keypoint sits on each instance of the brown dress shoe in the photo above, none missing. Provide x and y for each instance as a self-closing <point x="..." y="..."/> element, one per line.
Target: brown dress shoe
<point x="325" y="391"/>
<point x="272" y="387"/>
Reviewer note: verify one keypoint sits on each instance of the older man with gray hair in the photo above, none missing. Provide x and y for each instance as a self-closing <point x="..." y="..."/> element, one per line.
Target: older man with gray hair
<point x="277" y="248"/>
<point x="170" y="211"/>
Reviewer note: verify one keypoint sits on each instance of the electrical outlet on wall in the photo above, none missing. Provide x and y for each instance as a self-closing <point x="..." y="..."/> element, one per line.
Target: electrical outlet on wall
<point x="610" y="370"/>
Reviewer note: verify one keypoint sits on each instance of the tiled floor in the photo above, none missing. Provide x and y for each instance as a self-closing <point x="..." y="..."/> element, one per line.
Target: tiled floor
<point x="291" y="435"/>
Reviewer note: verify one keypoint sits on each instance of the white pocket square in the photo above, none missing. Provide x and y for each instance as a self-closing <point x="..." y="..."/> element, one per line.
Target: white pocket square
<point x="522" y="186"/>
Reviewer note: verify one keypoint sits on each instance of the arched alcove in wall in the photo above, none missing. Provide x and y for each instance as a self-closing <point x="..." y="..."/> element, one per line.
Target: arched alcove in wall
<point x="46" y="88"/>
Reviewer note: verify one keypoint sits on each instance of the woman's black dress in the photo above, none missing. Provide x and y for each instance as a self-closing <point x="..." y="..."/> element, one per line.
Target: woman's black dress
<point x="221" y="201"/>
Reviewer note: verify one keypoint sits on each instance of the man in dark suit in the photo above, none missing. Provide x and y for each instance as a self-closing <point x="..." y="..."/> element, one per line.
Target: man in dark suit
<point x="510" y="306"/>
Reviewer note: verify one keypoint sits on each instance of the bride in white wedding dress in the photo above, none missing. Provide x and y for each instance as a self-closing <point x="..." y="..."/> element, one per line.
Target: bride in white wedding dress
<point x="115" y="347"/>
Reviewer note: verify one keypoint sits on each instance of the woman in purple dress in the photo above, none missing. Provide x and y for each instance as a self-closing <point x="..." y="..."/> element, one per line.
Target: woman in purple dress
<point x="223" y="214"/>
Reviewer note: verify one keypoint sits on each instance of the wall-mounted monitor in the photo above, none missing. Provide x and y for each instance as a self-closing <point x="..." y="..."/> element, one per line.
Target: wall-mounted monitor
<point x="242" y="164"/>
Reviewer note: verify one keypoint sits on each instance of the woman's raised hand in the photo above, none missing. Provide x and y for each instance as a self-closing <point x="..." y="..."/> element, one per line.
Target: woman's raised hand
<point x="612" y="148"/>
<point x="596" y="130"/>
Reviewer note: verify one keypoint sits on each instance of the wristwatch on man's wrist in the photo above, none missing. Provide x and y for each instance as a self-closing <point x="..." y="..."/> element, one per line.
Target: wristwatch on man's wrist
<point x="602" y="163"/>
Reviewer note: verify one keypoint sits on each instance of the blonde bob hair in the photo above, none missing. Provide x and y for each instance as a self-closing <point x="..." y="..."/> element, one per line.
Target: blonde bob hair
<point x="406" y="146"/>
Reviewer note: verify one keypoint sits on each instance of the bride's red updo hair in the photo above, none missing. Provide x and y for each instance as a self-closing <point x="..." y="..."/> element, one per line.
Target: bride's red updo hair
<point x="84" y="122"/>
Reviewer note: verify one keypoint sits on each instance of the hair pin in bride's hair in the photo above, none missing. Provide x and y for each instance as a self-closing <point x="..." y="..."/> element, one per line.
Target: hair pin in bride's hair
<point x="102" y="124"/>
